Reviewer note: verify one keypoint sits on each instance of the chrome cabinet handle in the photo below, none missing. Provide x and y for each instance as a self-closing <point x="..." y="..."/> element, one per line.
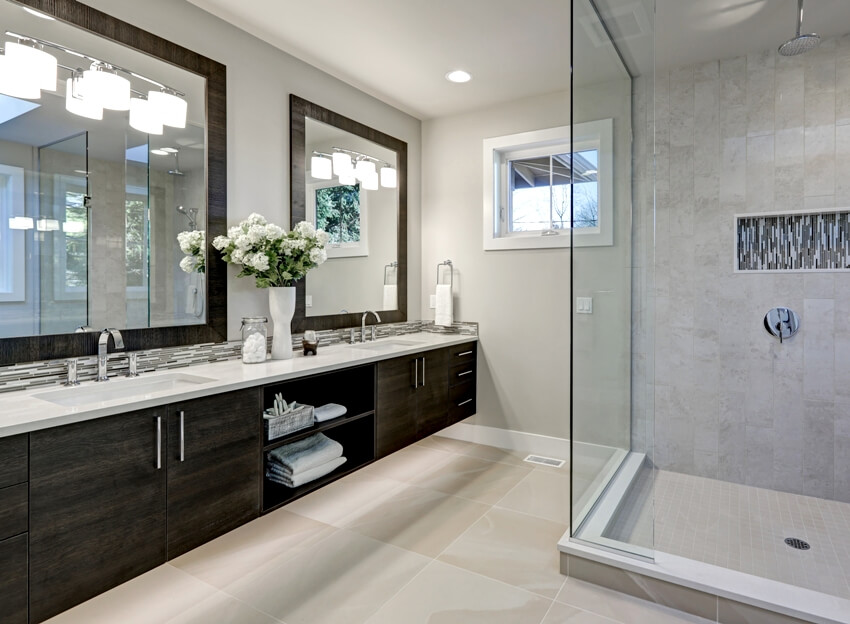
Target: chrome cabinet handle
<point x="416" y="374"/>
<point x="423" y="371"/>
<point x="182" y="437"/>
<point x="464" y="373"/>
<point x="464" y="353"/>
<point x="462" y="403"/>
<point x="158" y="442"/>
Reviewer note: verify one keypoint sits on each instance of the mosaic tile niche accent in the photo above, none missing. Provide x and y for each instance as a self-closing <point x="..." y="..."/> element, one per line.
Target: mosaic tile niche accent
<point x="794" y="242"/>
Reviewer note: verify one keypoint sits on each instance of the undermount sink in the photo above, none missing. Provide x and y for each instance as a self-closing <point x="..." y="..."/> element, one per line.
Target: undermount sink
<point x="139" y="387"/>
<point x="385" y="344"/>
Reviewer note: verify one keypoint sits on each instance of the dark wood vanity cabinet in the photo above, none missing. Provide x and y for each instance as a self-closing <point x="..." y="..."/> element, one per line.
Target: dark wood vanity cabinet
<point x="97" y="507"/>
<point x="14" y="522"/>
<point x="417" y="395"/>
<point x="113" y="497"/>
<point x="213" y="473"/>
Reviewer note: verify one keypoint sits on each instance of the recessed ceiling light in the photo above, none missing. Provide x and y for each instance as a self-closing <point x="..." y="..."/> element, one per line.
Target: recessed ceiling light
<point x="38" y="13"/>
<point x="169" y="150"/>
<point x="458" y="75"/>
<point x="159" y="152"/>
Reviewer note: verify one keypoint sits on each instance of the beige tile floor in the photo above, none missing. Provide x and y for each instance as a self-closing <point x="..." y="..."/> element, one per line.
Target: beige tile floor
<point x="742" y="528"/>
<point x="443" y="532"/>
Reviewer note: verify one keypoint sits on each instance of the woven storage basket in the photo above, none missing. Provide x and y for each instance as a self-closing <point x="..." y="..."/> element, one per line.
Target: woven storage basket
<point x="299" y="418"/>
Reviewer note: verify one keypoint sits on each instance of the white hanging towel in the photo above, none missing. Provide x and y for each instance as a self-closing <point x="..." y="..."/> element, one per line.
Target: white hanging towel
<point x="390" y="297"/>
<point x="443" y="313"/>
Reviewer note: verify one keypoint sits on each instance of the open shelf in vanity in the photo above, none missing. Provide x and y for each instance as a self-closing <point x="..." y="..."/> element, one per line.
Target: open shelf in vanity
<point x="353" y="388"/>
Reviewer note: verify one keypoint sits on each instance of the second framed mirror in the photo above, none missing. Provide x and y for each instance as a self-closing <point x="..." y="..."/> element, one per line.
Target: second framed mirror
<point x="351" y="181"/>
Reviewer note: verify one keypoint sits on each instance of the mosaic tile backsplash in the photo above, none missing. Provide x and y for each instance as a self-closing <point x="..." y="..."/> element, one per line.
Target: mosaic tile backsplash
<point x="51" y="372"/>
<point x="794" y="242"/>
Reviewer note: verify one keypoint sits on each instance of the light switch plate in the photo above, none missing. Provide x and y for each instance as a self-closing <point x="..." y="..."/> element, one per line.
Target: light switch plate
<point x="308" y="301"/>
<point x="432" y="302"/>
<point x="584" y="305"/>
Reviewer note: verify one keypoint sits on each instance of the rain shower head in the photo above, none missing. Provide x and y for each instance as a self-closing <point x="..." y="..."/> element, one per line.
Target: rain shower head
<point x="176" y="171"/>
<point x="799" y="44"/>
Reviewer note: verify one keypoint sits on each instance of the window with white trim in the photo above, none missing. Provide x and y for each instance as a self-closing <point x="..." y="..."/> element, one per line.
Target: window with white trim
<point x="12" y="256"/>
<point x="536" y="191"/>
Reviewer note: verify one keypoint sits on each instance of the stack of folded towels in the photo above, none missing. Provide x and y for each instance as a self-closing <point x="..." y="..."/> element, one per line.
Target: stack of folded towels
<point x="303" y="461"/>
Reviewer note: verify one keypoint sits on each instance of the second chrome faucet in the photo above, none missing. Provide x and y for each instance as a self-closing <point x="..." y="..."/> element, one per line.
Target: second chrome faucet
<point x="103" y="350"/>
<point x="363" y="325"/>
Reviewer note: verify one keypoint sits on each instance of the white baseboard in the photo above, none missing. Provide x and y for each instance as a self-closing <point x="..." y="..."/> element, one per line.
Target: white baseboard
<point x="508" y="439"/>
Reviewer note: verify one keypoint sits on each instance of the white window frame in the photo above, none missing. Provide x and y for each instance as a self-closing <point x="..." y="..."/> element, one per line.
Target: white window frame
<point x="63" y="184"/>
<point x="12" y="256"/>
<point x="498" y="151"/>
<point x="341" y="250"/>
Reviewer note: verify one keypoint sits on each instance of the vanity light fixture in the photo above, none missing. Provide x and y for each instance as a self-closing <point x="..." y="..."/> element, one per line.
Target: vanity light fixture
<point x="20" y="223"/>
<point x="73" y="227"/>
<point x="370" y="181"/>
<point x="46" y="225"/>
<point x="458" y="76"/>
<point x="26" y="69"/>
<point x="342" y="164"/>
<point x="389" y="177"/>
<point x="78" y="105"/>
<point x="321" y="166"/>
<point x="347" y="179"/>
<point x="364" y="169"/>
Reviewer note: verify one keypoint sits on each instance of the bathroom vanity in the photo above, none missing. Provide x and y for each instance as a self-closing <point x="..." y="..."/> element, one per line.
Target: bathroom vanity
<point x="94" y="494"/>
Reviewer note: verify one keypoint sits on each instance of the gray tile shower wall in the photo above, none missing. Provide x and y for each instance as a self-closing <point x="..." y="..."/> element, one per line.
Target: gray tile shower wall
<point x="52" y="372"/>
<point x="757" y="134"/>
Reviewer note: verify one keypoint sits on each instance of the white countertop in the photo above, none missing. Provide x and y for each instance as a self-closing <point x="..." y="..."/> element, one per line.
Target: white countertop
<point x="24" y="411"/>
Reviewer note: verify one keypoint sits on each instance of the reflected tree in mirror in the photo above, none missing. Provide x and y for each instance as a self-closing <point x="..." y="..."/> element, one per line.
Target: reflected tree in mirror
<point x="338" y="212"/>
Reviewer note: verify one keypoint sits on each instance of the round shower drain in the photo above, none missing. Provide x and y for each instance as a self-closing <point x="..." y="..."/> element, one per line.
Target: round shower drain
<point x="796" y="542"/>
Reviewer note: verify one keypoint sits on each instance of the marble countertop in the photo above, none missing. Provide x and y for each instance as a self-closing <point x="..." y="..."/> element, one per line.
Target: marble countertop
<point x="31" y="410"/>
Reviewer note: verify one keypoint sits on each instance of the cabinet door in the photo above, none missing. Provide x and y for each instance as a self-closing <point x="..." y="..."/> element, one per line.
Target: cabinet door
<point x="213" y="467"/>
<point x="97" y="507"/>
<point x="13" y="580"/>
<point x="396" y="406"/>
<point x="432" y="396"/>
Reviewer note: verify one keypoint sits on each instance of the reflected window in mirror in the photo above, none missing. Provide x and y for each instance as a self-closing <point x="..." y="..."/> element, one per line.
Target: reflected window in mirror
<point x="340" y="210"/>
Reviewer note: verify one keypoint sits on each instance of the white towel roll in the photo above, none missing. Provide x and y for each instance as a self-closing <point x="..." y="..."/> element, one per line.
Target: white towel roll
<point x="443" y="312"/>
<point x="390" y="297"/>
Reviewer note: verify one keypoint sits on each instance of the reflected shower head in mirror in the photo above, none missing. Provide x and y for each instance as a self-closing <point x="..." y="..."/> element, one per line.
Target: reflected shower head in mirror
<point x="799" y="44"/>
<point x="191" y="214"/>
<point x="176" y="171"/>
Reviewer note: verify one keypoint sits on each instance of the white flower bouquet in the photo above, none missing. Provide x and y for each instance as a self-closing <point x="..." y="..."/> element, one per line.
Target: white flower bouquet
<point x="193" y="244"/>
<point x="272" y="255"/>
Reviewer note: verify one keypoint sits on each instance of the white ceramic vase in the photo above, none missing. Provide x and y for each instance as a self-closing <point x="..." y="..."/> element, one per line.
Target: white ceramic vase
<point x="281" y="309"/>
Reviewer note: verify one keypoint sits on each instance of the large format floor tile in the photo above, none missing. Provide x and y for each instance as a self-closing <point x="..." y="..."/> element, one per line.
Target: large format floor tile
<point x="512" y="547"/>
<point x="164" y="594"/>
<point x="543" y="494"/>
<point x="476" y="479"/>
<point x="342" y="579"/>
<point x="446" y="595"/>
<point x="409" y="463"/>
<point x="418" y="519"/>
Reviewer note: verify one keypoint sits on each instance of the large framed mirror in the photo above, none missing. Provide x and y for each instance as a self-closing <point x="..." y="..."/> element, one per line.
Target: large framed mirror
<point x="93" y="196"/>
<point x="366" y="219"/>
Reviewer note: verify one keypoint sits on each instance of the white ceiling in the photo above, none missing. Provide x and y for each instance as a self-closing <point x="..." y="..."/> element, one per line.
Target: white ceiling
<point x="400" y="50"/>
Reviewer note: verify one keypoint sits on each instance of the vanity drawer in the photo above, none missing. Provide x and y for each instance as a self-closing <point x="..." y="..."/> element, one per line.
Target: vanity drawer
<point x="461" y="401"/>
<point x="13" y="580"/>
<point x="462" y="353"/>
<point x="462" y="373"/>
<point x="14" y="457"/>
<point x="14" y="510"/>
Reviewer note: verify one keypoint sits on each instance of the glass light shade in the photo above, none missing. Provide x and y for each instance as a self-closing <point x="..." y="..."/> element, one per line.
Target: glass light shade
<point x="107" y="89"/>
<point x="364" y="168"/>
<point x="342" y="164"/>
<point x="321" y="168"/>
<point x="15" y="82"/>
<point x="37" y="64"/>
<point x="73" y="227"/>
<point x="171" y="108"/>
<point x="144" y="118"/>
<point x="389" y="177"/>
<point x="47" y="225"/>
<point x="80" y="106"/>
<point x="347" y="179"/>
<point x="20" y="223"/>
<point x="370" y="181"/>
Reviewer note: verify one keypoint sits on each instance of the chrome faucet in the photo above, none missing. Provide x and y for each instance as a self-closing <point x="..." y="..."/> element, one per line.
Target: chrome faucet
<point x="363" y="324"/>
<point x="103" y="349"/>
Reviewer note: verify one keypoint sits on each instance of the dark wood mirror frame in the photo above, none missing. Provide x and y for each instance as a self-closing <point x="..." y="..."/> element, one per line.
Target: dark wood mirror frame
<point x="32" y="348"/>
<point x="299" y="110"/>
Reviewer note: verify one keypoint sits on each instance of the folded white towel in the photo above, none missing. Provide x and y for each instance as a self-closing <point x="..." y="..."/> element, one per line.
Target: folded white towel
<point x="443" y="312"/>
<point x="390" y="297"/>
<point x="331" y="410"/>
<point x="308" y="475"/>
<point x="305" y="454"/>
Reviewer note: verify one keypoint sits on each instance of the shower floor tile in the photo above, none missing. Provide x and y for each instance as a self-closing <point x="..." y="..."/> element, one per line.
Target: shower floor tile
<point x="742" y="528"/>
